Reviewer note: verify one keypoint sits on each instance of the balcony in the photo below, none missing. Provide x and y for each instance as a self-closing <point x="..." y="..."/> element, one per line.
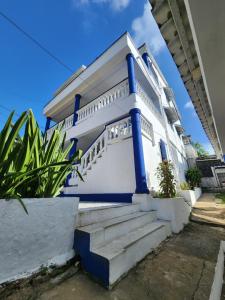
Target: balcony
<point x="118" y="93"/>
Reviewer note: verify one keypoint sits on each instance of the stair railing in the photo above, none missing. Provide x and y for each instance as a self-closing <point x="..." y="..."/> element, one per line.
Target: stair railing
<point x="112" y="133"/>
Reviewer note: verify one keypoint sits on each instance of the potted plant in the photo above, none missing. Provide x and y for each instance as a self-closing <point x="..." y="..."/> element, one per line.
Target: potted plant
<point x="33" y="171"/>
<point x="169" y="207"/>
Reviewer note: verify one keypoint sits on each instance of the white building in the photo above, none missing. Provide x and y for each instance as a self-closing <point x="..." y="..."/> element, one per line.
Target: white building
<point x="121" y="112"/>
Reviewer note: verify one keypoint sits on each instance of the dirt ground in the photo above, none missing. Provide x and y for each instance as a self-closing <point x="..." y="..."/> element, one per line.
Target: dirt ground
<point x="182" y="268"/>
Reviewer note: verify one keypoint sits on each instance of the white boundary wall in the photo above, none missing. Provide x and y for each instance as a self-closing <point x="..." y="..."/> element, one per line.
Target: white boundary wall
<point x="191" y="195"/>
<point x="218" y="277"/>
<point x="44" y="237"/>
<point x="175" y="210"/>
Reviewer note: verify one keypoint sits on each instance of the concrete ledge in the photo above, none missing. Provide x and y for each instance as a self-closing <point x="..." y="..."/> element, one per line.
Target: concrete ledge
<point x="191" y="195"/>
<point x="218" y="277"/>
<point x="175" y="210"/>
<point x="42" y="238"/>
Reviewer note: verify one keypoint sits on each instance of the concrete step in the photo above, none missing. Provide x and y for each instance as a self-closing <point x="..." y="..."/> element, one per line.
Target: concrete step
<point x="108" y="230"/>
<point x="100" y="214"/>
<point x="110" y="262"/>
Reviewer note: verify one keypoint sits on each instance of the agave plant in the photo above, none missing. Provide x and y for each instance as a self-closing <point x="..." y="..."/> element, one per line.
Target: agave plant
<point x="32" y="166"/>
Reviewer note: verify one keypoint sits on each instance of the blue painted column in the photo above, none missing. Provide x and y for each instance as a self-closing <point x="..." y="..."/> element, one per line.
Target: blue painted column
<point x="74" y="147"/>
<point x="76" y="108"/>
<point x="145" y="57"/>
<point x="48" y="123"/>
<point x="72" y="152"/>
<point x="131" y="73"/>
<point x="74" y="140"/>
<point x="140" y="174"/>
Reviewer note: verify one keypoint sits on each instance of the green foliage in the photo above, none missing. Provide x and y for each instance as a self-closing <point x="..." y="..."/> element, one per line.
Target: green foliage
<point x="193" y="177"/>
<point x="200" y="150"/>
<point x="221" y="196"/>
<point x="31" y="166"/>
<point x="167" y="182"/>
<point x="185" y="186"/>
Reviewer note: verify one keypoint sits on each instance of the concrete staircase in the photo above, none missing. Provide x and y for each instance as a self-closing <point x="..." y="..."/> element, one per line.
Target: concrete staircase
<point x="111" y="240"/>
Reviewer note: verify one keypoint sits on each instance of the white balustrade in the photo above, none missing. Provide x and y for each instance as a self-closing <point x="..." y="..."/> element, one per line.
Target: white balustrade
<point x="147" y="129"/>
<point x="68" y="123"/>
<point x="113" y="133"/>
<point x="145" y="98"/>
<point x="118" y="92"/>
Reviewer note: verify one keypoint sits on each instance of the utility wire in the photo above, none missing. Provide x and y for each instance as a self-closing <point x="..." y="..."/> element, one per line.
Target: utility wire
<point x="59" y="61"/>
<point x="8" y="109"/>
<point x="15" y="113"/>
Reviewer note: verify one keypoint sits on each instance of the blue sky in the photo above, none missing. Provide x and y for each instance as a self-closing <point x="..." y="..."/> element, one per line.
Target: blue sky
<point x="76" y="31"/>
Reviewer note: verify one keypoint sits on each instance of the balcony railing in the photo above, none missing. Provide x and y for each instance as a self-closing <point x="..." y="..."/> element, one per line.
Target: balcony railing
<point x="146" y="99"/>
<point x="68" y="123"/>
<point x="119" y="91"/>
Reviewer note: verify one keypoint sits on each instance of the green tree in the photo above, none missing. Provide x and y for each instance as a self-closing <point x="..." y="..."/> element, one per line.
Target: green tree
<point x="200" y="150"/>
<point x="167" y="182"/>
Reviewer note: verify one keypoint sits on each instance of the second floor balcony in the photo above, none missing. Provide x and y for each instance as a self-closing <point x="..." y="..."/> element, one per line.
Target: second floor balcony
<point x="112" y="104"/>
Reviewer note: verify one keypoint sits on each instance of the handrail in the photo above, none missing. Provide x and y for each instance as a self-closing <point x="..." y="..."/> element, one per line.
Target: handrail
<point x="119" y="91"/>
<point x="112" y="133"/>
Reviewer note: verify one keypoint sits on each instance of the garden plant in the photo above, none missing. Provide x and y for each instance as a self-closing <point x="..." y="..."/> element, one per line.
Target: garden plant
<point x="167" y="181"/>
<point x="30" y="165"/>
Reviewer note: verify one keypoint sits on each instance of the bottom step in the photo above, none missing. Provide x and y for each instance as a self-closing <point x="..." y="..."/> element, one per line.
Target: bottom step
<point x="110" y="262"/>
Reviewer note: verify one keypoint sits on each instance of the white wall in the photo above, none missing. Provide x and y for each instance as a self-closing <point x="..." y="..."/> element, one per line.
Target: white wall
<point x="175" y="210"/>
<point x="152" y="157"/>
<point x="43" y="237"/>
<point x="113" y="172"/>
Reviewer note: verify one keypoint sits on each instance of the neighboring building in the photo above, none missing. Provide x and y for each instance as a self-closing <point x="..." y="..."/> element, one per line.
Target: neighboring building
<point x="121" y="112"/>
<point x="212" y="170"/>
<point x="194" y="33"/>
<point x="190" y="151"/>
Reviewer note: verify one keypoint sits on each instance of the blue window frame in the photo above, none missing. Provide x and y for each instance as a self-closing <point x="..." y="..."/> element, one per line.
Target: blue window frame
<point x="163" y="150"/>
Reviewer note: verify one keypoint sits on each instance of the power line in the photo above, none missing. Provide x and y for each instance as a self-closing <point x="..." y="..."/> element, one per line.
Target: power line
<point x="15" y="113"/>
<point x="8" y="109"/>
<point x="59" y="61"/>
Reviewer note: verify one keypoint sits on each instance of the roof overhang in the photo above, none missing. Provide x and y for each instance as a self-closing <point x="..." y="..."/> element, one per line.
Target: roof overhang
<point x="106" y="71"/>
<point x="177" y="30"/>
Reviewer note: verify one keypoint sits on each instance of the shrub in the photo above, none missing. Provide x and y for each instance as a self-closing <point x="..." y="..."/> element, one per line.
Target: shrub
<point x="185" y="186"/>
<point x="31" y="166"/>
<point x="167" y="182"/>
<point x="193" y="177"/>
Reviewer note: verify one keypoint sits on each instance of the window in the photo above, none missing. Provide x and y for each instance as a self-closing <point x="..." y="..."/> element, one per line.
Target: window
<point x="162" y="146"/>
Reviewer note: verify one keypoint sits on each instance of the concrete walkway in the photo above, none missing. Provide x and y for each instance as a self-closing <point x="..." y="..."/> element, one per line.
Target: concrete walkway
<point x="182" y="268"/>
<point x="209" y="210"/>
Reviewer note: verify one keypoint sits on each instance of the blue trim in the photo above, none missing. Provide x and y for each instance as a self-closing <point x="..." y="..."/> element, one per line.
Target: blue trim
<point x="74" y="147"/>
<point x="140" y="174"/>
<point x="111" y="197"/>
<point x="163" y="150"/>
<point x="145" y="57"/>
<point x="48" y="123"/>
<point x="94" y="264"/>
<point x="149" y="64"/>
<point x="76" y="108"/>
<point x="131" y="73"/>
<point x="72" y="151"/>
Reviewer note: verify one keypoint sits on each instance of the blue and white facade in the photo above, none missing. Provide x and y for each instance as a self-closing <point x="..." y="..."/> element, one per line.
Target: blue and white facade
<point x="121" y="112"/>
